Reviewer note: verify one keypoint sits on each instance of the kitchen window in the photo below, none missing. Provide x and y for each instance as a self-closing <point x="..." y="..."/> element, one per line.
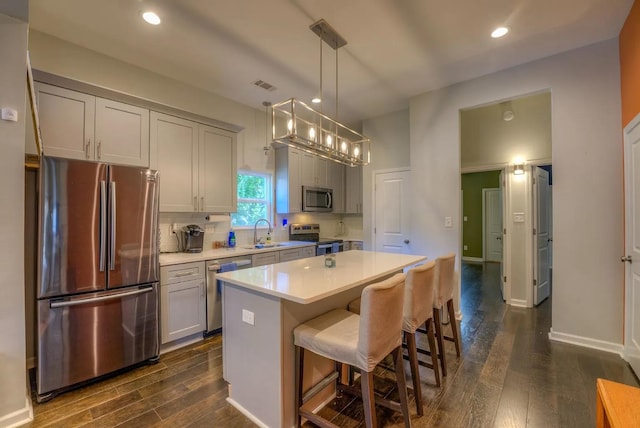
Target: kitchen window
<point x="255" y="198"/>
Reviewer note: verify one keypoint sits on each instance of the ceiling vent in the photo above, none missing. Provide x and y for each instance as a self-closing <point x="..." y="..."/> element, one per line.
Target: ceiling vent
<point x="264" y="85"/>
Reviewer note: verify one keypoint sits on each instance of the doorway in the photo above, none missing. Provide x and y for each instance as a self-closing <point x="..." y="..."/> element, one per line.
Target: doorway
<point x="496" y="137"/>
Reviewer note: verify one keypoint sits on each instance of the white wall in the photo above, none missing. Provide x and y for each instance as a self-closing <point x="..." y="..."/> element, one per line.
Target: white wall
<point x="586" y="134"/>
<point x="13" y="380"/>
<point x="389" y="149"/>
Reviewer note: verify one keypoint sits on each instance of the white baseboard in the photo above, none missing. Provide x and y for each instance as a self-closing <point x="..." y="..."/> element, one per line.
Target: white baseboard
<point x="19" y="417"/>
<point x="246" y="413"/>
<point x="587" y="342"/>
<point x="473" y="259"/>
<point x="518" y="303"/>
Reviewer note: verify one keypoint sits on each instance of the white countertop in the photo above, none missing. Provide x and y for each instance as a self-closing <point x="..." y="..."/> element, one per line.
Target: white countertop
<point x="308" y="280"/>
<point x="167" y="259"/>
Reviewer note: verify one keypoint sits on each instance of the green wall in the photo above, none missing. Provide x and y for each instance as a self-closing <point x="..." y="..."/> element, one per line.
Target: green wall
<point x="472" y="185"/>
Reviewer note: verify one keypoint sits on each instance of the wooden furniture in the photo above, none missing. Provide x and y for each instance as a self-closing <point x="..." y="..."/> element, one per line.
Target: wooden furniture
<point x="197" y="165"/>
<point x="445" y="277"/>
<point x="182" y="301"/>
<point x="263" y="305"/>
<point x="617" y="405"/>
<point x="80" y="126"/>
<point x="417" y="311"/>
<point x="360" y="341"/>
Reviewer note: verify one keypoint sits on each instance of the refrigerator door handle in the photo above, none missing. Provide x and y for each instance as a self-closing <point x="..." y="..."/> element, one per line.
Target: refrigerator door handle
<point x="103" y="224"/>
<point x="112" y="241"/>
<point x="66" y="303"/>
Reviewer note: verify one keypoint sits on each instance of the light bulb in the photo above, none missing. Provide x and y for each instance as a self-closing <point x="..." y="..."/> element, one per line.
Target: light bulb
<point x="356" y="151"/>
<point x="312" y="133"/>
<point x="290" y="125"/>
<point x="329" y="140"/>
<point x="151" y="18"/>
<point x="344" y="146"/>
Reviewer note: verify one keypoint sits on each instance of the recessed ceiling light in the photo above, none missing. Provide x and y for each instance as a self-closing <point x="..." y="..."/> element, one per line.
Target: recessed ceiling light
<point x="316" y="100"/>
<point x="499" y="32"/>
<point x="151" y="18"/>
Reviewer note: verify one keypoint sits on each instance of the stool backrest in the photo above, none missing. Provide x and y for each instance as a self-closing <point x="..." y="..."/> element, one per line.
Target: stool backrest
<point x="380" y="321"/>
<point x="445" y="269"/>
<point x="418" y="296"/>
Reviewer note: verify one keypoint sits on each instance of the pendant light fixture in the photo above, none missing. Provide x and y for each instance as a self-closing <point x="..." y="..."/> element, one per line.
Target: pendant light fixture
<point x="297" y="125"/>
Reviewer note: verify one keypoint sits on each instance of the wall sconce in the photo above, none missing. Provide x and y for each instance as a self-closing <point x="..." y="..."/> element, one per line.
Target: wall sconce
<point x="518" y="168"/>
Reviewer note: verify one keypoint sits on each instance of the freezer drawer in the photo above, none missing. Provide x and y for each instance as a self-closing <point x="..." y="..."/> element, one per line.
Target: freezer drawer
<point x="87" y="336"/>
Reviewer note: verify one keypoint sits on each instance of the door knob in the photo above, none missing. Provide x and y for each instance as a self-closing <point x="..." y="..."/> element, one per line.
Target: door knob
<point x="626" y="259"/>
<point x="406" y="241"/>
<point x="499" y="238"/>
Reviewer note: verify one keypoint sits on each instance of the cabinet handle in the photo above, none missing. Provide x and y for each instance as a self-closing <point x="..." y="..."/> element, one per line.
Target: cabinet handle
<point x="202" y="203"/>
<point x="86" y="148"/>
<point x="195" y="203"/>
<point x="99" y="149"/>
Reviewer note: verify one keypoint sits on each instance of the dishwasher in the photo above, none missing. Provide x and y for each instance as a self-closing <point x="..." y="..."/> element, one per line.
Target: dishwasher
<point x="214" y="289"/>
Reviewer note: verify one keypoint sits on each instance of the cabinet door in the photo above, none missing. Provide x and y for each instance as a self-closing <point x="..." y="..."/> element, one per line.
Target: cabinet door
<point x="354" y="190"/>
<point x="295" y="183"/>
<point x="174" y="152"/>
<point x="336" y="183"/>
<point x="288" y="186"/>
<point x="288" y="255"/>
<point x="183" y="309"/>
<point x="66" y="121"/>
<point x="321" y="171"/>
<point x="218" y="171"/>
<point x="307" y="173"/>
<point x="122" y="133"/>
<point x="263" y="259"/>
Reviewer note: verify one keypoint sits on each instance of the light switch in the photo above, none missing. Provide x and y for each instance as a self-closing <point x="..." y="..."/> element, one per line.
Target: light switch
<point x="465" y="248"/>
<point x="248" y="317"/>
<point x="465" y="218"/>
<point x="10" y="114"/>
<point x="518" y="217"/>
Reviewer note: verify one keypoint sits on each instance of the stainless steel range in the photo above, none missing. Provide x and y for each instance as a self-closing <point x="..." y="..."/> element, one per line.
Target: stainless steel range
<point x="311" y="233"/>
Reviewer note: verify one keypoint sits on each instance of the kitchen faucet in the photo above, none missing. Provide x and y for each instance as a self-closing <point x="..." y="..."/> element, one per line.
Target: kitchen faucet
<point x="255" y="230"/>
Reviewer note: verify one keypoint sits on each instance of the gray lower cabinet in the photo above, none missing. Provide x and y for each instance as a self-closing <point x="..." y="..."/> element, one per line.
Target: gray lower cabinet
<point x="182" y="300"/>
<point x="268" y="258"/>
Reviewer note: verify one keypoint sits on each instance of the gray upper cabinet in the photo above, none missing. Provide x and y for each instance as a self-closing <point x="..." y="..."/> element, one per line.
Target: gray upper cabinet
<point x="80" y="126"/>
<point x="354" y="190"/>
<point x="288" y="182"/>
<point x="337" y="184"/>
<point x="197" y="165"/>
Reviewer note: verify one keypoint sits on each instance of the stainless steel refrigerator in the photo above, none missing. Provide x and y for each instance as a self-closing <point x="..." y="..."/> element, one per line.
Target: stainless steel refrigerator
<point x="97" y="272"/>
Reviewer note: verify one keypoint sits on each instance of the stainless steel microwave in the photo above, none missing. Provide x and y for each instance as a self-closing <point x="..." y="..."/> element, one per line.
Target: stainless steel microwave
<point x="316" y="199"/>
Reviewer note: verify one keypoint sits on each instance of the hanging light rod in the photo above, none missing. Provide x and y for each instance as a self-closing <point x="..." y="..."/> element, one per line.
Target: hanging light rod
<point x="328" y="34"/>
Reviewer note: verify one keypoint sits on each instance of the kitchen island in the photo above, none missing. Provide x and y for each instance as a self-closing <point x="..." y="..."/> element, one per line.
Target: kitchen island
<point x="262" y="306"/>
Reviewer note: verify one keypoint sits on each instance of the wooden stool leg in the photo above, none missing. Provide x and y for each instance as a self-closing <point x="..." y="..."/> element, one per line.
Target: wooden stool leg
<point x="368" y="399"/>
<point x="410" y="338"/>
<point x="402" y="385"/>
<point x="433" y="350"/>
<point x="454" y="325"/>
<point x="299" y="377"/>
<point x="439" y="338"/>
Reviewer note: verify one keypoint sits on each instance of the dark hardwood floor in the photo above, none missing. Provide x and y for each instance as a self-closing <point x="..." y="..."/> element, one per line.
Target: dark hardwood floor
<point x="510" y="374"/>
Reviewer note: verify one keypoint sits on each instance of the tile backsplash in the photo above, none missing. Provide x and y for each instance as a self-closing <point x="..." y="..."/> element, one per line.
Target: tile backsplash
<point x="217" y="227"/>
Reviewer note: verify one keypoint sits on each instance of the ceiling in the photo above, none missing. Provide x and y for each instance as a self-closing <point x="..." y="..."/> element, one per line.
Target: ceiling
<point x="395" y="49"/>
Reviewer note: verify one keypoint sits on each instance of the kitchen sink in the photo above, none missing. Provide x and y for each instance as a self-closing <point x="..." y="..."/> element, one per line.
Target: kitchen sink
<point x="262" y="246"/>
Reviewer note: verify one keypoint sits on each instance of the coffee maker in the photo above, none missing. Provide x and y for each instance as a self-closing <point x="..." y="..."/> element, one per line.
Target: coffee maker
<point x="192" y="238"/>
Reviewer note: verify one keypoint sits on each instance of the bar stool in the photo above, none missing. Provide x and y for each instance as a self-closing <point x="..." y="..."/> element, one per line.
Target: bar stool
<point x="416" y="312"/>
<point x="357" y="340"/>
<point x="445" y="275"/>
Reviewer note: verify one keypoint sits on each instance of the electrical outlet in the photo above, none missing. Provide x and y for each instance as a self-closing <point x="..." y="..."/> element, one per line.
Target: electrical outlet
<point x="465" y="218"/>
<point x="465" y="248"/>
<point x="174" y="228"/>
<point x="248" y="317"/>
<point x="448" y="222"/>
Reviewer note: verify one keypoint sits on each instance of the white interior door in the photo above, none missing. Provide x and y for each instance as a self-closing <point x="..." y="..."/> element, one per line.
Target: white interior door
<point x="542" y="237"/>
<point x="392" y="221"/>
<point x="492" y="202"/>
<point x="632" y="243"/>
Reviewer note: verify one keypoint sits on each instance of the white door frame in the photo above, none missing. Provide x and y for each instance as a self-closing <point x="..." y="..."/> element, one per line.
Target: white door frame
<point x="374" y="173"/>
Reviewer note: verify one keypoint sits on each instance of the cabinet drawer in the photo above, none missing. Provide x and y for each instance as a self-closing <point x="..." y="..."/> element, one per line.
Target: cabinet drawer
<point x="308" y="252"/>
<point x="356" y="245"/>
<point x="288" y="255"/>
<point x="269" y="258"/>
<point x="182" y="272"/>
